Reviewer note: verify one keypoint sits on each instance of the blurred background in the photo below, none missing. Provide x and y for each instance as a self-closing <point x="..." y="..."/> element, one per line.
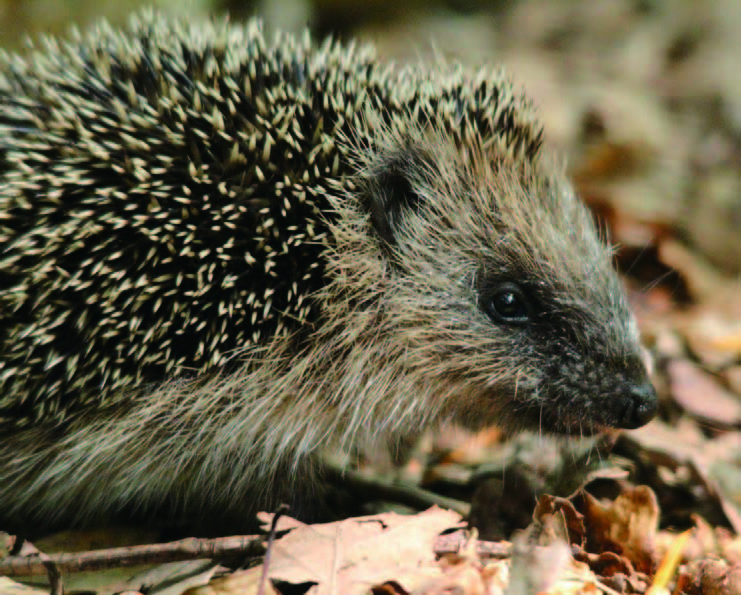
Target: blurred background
<point x="642" y="97"/>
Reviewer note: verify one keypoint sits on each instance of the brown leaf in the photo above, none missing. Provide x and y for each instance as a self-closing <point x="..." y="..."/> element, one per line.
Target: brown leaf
<point x="573" y="521"/>
<point x="241" y="582"/>
<point x="705" y="283"/>
<point x="714" y="335"/>
<point x="627" y="526"/>
<point x="353" y="555"/>
<point x="732" y="376"/>
<point x="702" y="396"/>
<point x="541" y="569"/>
<point x="714" y="577"/>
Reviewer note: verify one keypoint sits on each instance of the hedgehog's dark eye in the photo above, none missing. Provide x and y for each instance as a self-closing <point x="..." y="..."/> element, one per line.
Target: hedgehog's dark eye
<point x="507" y="304"/>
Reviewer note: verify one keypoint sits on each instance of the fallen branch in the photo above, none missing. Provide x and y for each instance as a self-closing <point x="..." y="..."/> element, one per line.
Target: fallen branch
<point x="176" y="551"/>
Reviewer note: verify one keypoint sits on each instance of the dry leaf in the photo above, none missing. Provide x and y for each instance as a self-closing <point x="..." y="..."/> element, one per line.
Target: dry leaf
<point x="9" y="587"/>
<point x="242" y="582"/>
<point x="702" y="396"/>
<point x="714" y="577"/>
<point x="353" y="555"/>
<point x="627" y="526"/>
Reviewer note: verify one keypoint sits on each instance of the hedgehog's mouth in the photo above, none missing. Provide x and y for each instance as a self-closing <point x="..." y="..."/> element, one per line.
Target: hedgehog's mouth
<point x="622" y="410"/>
<point x="580" y="428"/>
<point x="562" y="421"/>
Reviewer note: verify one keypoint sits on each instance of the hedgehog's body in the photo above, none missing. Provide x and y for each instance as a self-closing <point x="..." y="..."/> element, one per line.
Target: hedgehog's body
<point x="220" y="254"/>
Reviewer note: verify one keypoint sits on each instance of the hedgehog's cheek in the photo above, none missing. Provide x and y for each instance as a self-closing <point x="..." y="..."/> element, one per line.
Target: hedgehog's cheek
<point x="476" y="406"/>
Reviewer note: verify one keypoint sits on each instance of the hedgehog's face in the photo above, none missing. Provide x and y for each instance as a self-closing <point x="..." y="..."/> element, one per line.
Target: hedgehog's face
<point x="576" y="353"/>
<point x="504" y="295"/>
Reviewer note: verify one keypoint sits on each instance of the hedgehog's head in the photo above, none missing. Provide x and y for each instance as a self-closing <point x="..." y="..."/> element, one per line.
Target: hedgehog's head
<point x="497" y="289"/>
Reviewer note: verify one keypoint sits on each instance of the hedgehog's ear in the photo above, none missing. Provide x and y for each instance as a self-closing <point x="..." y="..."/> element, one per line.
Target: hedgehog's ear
<point x="390" y="196"/>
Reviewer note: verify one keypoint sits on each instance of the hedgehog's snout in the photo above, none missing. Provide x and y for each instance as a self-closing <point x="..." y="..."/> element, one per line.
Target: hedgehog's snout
<point x="637" y="406"/>
<point x="635" y="403"/>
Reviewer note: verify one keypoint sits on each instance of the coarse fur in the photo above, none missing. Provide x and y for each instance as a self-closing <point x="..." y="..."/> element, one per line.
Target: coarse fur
<point x="221" y="255"/>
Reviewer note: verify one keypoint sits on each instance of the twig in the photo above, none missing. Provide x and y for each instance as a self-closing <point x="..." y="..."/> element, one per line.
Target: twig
<point x="269" y="548"/>
<point x="53" y="574"/>
<point x="185" y="549"/>
<point x="452" y="543"/>
<point x="403" y="493"/>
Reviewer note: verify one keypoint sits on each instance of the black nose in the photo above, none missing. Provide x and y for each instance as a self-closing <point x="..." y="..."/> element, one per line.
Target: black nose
<point x="640" y="406"/>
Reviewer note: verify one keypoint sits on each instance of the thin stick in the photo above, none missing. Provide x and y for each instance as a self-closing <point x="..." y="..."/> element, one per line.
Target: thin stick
<point x="185" y="549"/>
<point x="269" y="549"/>
<point x="373" y="486"/>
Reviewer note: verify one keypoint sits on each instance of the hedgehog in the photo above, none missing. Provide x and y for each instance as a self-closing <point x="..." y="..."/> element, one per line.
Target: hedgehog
<point x="222" y="254"/>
